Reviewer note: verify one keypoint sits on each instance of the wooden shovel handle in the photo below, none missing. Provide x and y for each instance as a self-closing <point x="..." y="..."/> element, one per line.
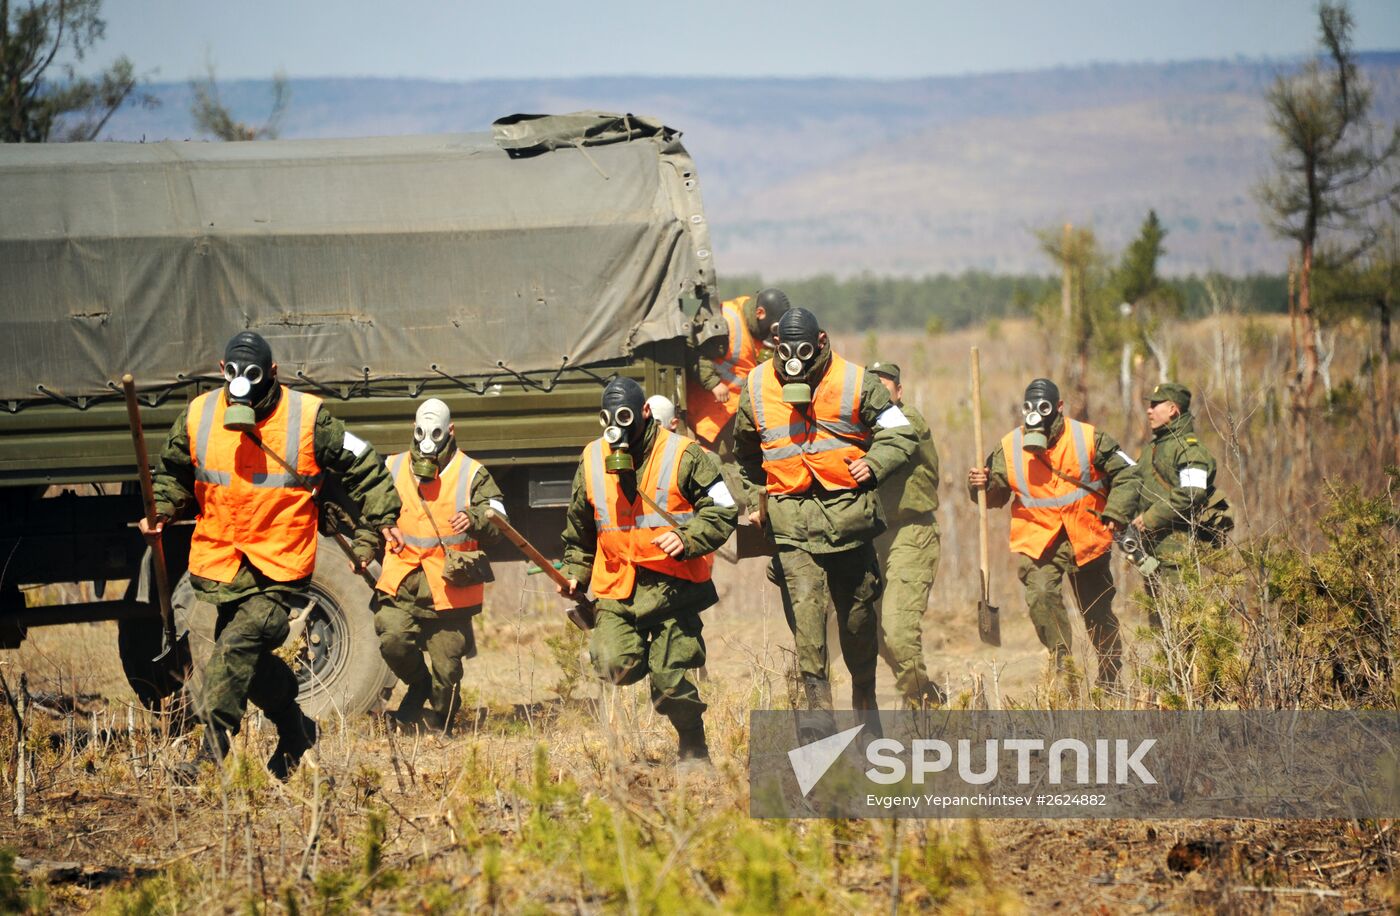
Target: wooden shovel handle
<point x="982" y="492"/>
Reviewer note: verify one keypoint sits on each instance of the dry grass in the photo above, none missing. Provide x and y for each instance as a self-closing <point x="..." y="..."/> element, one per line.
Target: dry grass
<point x="549" y="804"/>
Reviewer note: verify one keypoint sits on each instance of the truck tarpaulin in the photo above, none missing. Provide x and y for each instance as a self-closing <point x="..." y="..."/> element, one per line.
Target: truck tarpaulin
<point x="562" y="242"/>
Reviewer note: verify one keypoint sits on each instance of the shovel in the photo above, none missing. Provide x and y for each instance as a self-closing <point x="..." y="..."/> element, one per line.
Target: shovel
<point x="175" y="651"/>
<point x="988" y="617"/>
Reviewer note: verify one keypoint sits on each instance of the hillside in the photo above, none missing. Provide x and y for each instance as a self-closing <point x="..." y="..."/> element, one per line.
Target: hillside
<point x="805" y="176"/>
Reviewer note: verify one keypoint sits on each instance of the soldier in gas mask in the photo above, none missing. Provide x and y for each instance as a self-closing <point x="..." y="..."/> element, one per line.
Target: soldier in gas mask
<point x="649" y="508"/>
<point x="818" y="433"/>
<point x="1067" y="483"/>
<point x="722" y="363"/>
<point x="435" y="585"/>
<point x="248" y="460"/>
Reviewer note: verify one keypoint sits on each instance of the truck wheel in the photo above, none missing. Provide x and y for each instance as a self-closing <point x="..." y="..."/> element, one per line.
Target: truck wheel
<point x="337" y="665"/>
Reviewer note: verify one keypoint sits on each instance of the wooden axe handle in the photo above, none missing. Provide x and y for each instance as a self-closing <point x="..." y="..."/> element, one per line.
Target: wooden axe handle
<point x="525" y="547"/>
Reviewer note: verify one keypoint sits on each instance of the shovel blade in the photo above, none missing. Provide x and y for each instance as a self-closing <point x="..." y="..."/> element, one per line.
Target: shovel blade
<point x="988" y="623"/>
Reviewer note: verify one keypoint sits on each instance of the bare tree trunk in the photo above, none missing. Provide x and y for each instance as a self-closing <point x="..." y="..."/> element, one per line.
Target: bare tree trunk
<point x="1066" y="304"/>
<point x="1390" y="426"/>
<point x="1125" y="384"/>
<point x="1306" y="318"/>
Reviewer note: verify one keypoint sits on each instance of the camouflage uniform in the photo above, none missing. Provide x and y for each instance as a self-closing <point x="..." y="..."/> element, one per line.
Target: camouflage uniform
<point x="1091" y="583"/>
<point x="253" y="609"/>
<point x="825" y="550"/>
<point x="657" y="631"/>
<point x="408" y="625"/>
<point x="908" y="553"/>
<point x="1176" y="491"/>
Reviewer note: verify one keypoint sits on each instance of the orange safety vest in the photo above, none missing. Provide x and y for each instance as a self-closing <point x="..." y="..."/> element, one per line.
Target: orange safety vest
<point x="707" y="416"/>
<point x="1044" y="502"/>
<point x="797" y="449"/>
<point x="626" y="529"/>
<point x="248" y="504"/>
<point x="449" y="494"/>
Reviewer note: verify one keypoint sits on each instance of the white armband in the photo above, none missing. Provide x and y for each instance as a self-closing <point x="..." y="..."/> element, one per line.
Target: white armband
<point x="1195" y="478"/>
<point x="719" y="492"/>
<point x="1124" y="455"/>
<point x="354" y="444"/>
<point x="891" y="417"/>
<point x="498" y="506"/>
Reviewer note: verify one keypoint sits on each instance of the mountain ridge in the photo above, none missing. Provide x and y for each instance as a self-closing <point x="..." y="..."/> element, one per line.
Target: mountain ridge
<point x="813" y="175"/>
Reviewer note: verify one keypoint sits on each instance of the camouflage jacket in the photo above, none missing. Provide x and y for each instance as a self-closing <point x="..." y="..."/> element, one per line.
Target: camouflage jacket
<point x="350" y="461"/>
<point x="1110" y="460"/>
<point x="657" y="595"/>
<point x="1175" y="479"/>
<point x="822" y="521"/>
<point x="912" y="490"/>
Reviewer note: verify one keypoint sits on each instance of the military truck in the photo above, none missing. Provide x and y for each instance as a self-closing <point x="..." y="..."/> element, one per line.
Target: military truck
<point x="509" y="273"/>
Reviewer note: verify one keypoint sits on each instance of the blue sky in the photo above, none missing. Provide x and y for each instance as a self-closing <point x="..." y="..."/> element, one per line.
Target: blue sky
<point x="171" y="39"/>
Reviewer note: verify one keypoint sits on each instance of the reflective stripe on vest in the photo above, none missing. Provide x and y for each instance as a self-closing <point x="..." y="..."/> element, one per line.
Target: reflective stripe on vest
<point x="251" y="506"/>
<point x="786" y="434"/>
<point x="708" y="417"/>
<point x="625" y="536"/>
<point x="1087" y="485"/>
<point x="1039" y="511"/>
<point x="422" y="547"/>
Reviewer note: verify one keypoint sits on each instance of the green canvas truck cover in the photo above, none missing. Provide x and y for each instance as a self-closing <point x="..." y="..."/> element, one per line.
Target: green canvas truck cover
<point x="562" y="241"/>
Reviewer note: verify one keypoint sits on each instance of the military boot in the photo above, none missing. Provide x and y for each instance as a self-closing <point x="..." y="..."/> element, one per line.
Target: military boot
<point x="864" y="703"/>
<point x="693" y="750"/>
<point x="816" y="722"/>
<point x="296" y="734"/>
<point x="213" y="748"/>
<point x="410" y="711"/>
<point x="928" y="696"/>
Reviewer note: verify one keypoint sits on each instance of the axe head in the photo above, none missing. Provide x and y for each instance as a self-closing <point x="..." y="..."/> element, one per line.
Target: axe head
<point x="583" y="615"/>
<point x="988" y="623"/>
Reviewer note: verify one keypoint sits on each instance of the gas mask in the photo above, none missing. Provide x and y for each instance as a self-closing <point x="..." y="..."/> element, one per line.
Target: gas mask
<point x="433" y="442"/>
<point x="775" y="304"/>
<point x="623" y="423"/>
<point x="799" y="344"/>
<point x="1040" y="409"/>
<point x="248" y="379"/>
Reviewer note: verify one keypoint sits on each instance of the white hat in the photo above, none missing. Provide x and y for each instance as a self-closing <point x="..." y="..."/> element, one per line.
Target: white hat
<point x="662" y="410"/>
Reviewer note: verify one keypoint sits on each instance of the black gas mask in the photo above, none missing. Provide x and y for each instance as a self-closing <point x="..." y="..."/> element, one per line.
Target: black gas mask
<point x="775" y="304"/>
<point x="433" y="442"/>
<point x="248" y="379"/>
<point x="623" y="423"/>
<point x="1040" y="409"/>
<point x="799" y="345"/>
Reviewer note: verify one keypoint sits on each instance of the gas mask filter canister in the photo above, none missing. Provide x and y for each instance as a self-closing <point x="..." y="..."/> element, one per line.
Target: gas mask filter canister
<point x="623" y="423"/>
<point x="248" y="379"/>
<point x="1039" y="408"/>
<point x="432" y="439"/>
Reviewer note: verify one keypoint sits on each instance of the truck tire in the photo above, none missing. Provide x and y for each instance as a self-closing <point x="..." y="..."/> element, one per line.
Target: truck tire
<point x="339" y="667"/>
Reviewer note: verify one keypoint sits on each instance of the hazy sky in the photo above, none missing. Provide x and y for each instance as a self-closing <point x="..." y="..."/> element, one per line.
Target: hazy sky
<point x="549" y="38"/>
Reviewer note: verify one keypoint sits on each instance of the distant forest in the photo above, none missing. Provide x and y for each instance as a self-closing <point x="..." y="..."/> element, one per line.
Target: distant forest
<point x="950" y="301"/>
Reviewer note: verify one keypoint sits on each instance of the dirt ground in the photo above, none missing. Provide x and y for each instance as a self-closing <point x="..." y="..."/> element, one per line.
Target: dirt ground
<point x="509" y="813"/>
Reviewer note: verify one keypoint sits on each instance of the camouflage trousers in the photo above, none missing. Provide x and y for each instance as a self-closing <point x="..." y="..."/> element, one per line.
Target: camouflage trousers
<point x="243" y="666"/>
<point x="1093" y="589"/>
<point x="624" y="652"/>
<point x="908" y="557"/>
<point x="408" y="626"/>
<point x="812" y="582"/>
